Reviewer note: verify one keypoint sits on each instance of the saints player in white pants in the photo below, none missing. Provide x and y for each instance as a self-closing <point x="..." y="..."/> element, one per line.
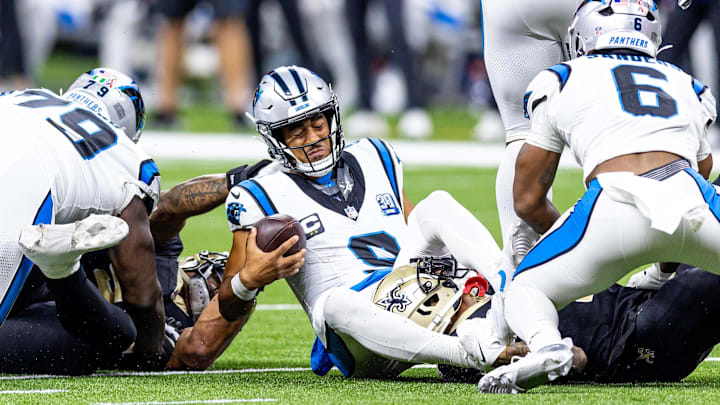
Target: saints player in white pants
<point x="638" y="127"/>
<point x="68" y="158"/>
<point x="351" y="203"/>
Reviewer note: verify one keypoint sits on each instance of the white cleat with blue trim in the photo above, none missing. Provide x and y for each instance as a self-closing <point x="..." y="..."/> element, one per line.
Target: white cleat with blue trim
<point x="537" y="368"/>
<point x="56" y="249"/>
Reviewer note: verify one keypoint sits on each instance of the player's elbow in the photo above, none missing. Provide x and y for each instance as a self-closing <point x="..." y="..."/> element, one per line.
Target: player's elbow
<point x="198" y="356"/>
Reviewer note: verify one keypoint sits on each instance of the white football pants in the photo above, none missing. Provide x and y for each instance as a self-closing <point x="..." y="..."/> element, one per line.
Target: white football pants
<point x="609" y="232"/>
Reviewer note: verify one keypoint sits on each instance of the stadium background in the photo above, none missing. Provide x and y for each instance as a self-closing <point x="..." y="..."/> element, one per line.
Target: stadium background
<point x="269" y="360"/>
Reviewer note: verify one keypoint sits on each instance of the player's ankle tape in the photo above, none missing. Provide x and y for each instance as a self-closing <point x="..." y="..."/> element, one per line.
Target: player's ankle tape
<point x="240" y="290"/>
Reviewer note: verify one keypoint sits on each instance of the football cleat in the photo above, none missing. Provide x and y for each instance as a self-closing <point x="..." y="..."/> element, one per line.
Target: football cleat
<point x="56" y="249"/>
<point x="201" y="275"/>
<point x="537" y="368"/>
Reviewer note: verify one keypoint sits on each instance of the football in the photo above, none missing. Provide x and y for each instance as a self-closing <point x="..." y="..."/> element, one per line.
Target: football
<point x="275" y="229"/>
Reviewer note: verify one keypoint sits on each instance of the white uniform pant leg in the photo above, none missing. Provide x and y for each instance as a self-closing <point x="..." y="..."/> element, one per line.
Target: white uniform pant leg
<point x="378" y="339"/>
<point x="28" y="201"/>
<point x="591" y="247"/>
<point x="439" y="224"/>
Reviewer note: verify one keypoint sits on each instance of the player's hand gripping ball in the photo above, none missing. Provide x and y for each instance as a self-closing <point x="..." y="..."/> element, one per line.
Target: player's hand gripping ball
<point x="275" y="229"/>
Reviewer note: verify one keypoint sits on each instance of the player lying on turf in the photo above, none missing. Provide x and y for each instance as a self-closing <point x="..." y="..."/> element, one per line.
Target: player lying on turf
<point x="638" y="127"/>
<point x="71" y="156"/>
<point x="351" y="203"/>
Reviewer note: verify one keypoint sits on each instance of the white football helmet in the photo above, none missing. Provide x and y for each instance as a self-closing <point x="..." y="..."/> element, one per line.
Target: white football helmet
<point x="115" y="95"/>
<point x="615" y="24"/>
<point x="290" y="94"/>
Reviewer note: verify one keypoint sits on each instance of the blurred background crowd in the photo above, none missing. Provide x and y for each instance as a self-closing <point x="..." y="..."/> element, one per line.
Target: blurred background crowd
<point x="409" y="68"/>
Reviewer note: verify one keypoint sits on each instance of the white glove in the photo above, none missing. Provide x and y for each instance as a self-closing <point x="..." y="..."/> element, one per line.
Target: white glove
<point x="684" y="4"/>
<point x="649" y="279"/>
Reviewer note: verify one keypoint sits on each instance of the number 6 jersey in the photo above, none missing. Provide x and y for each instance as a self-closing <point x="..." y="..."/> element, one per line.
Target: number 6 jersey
<point x="612" y="104"/>
<point x="347" y="237"/>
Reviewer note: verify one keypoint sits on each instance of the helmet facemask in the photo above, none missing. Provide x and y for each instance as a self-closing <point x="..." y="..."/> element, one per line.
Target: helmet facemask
<point x="288" y="95"/>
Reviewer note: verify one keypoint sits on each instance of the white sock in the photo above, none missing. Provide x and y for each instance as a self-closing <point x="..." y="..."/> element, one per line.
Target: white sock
<point x="531" y="315"/>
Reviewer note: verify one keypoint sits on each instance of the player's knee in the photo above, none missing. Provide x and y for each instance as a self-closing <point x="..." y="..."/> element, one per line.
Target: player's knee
<point x="436" y="201"/>
<point x="340" y="305"/>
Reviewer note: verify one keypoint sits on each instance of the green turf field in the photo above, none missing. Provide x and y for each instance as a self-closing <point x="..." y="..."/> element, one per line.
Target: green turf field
<point x="282" y="339"/>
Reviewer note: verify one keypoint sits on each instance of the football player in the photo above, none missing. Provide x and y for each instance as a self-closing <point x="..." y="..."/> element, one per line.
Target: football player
<point x="520" y="40"/>
<point x="638" y="128"/>
<point x="351" y="203"/>
<point x="68" y="158"/>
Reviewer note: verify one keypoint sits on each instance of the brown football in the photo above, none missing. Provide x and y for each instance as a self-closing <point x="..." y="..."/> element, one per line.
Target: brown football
<point x="275" y="229"/>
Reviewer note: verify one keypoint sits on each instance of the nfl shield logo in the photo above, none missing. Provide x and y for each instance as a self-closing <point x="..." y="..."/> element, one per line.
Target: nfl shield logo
<point x="351" y="212"/>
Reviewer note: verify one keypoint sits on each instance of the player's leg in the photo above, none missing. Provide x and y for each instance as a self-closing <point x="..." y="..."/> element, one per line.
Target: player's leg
<point x="439" y="224"/>
<point x="356" y="331"/>
<point x="81" y="309"/>
<point x="34" y="341"/>
<point x="674" y="330"/>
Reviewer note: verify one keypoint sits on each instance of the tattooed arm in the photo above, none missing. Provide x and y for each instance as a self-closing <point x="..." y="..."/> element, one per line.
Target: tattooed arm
<point x="191" y="197"/>
<point x="535" y="170"/>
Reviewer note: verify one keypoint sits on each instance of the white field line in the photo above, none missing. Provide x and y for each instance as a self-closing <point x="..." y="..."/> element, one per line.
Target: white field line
<point x="245" y="147"/>
<point x="31" y="392"/>
<point x="200" y="401"/>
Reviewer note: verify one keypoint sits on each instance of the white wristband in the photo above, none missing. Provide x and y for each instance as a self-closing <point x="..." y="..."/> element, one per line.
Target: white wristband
<point x="240" y="290"/>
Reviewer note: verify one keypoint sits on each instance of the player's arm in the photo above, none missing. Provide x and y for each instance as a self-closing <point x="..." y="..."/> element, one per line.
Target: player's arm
<point x="189" y="198"/>
<point x="199" y="346"/>
<point x="407" y="205"/>
<point x="705" y="166"/>
<point x="535" y="170"/>
<point x="538" y="159"/>
<point x="134" y="263"/>
<point x="248" y="268"/>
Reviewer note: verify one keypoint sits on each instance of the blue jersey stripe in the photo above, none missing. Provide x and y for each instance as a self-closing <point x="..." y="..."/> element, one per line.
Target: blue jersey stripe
<point x="388" y="164"/>
<point x="565" y="237"/>
<point x="562" y="71"/>
<point x="260" y="196"/>
<point x="698" y="87"/>
<point x="148" y="171"/>
<point x="709" y="192"/>
<point x="43" y="216"/>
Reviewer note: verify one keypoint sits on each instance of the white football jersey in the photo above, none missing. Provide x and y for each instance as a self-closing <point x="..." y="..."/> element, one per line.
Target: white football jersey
<point x="607" y="105"/>
<point x="93" y="166"/>
<point x="346" y="240"/>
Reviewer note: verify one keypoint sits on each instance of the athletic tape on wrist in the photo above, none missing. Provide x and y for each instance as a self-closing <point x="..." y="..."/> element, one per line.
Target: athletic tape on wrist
<point x="240" y="290"/>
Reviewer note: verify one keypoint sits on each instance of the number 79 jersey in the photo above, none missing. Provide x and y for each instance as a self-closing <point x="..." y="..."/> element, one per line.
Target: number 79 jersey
<point x="89" y="165"/>
<point x="608" y="105"/>
<point x="346" y="240"/>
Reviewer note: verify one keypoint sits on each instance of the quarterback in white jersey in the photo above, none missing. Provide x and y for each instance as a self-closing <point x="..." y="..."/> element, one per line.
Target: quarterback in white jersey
<point x="352" y="206"/>
<point x="638" y="127"/>
<point x="69" y="157"/>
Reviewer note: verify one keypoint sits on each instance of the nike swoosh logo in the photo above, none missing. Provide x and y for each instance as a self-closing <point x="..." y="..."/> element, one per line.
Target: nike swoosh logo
<point x="482" y="354"/>
<point x="234" y="194"/>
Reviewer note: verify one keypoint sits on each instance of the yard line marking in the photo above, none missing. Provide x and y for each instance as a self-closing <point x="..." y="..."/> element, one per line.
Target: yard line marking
<point x="277" y="307"/>
<point x="158" y="373"/>
<point x="31" y="391"/>
<point x="199" y="401"/>
<point x="163" y="373"/>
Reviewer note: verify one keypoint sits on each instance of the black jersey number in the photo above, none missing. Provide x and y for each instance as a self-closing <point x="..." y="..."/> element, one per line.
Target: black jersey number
<point x="631" y="93"/>
<point x="375" y="249"/>
<point x="88" y="133"/>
